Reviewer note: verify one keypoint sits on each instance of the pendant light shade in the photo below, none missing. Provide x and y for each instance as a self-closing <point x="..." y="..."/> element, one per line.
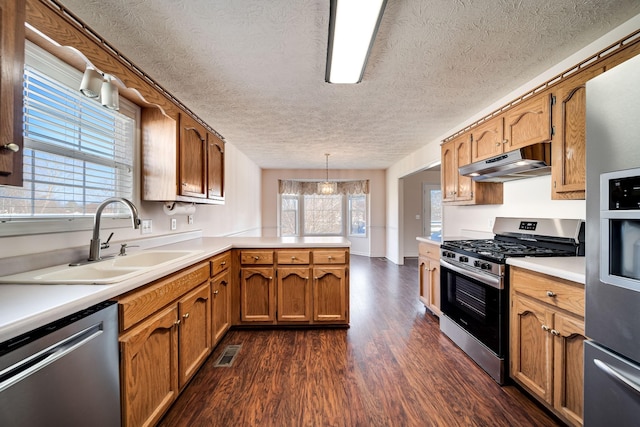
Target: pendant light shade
<point x="109" y="94"/>
<point x="91" y="83"/>
<point x="327" y="187"/>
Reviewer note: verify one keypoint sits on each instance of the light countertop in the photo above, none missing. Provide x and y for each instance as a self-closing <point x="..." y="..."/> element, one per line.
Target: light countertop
<point x="25" y="307"/>
<point x="568" y="268"/>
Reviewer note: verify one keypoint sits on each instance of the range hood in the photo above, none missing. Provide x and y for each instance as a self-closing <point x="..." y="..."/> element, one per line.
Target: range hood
<point x="534" y="160"/>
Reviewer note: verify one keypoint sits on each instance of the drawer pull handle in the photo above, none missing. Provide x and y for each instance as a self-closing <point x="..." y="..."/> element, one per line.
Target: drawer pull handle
<point x="551" y="294"/>
<point x="186" y="315"/>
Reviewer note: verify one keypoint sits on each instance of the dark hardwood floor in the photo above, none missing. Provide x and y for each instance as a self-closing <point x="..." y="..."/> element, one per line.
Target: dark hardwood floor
<point x="392" y="367"/>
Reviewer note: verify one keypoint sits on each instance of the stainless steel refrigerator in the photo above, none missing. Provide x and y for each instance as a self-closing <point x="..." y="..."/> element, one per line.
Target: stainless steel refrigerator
<point x="612" y="358"/>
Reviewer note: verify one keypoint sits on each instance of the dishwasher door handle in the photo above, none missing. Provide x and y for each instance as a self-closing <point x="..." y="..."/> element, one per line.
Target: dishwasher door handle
<point x="32" y="364"/>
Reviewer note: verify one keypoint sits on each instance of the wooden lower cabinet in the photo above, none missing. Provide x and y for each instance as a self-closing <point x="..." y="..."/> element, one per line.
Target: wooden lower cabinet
<point x="220" y="306"/>
<point x="149" y="368"/>
<point x="330" y="293"/>
<point x="165" y="337"/>
<point x="294" y="294"/>
<point x="547" y="340"/>
<point x="194" y="338"/>
<point x="257" y="295"/>
<point x="429" y="275"/>
<point x="292" y="287"/>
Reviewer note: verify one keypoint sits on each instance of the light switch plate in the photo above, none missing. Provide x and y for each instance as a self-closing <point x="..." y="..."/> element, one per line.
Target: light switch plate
<point x="190" y="219"/>
<point x="146" y="227"/>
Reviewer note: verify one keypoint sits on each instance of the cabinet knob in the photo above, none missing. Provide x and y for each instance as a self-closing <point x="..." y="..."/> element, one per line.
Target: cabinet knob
<point x="11" y="147"/>
<point x="270" y="277"/>
<point x="545" y="328"/>
<point x="223" y="263"/>
<point x="224" y="283"/>
<point x="216" y="292"/>
<point x="551" y="294"/>
<point x="177" y="322"/>
<point x="256" y="258"/>
<point x="498" y="144"/>
<point x="329" y="257"/>
<point x="184" y="184"/>
<point x="505" y="141"/>
<point x="555" y="333"/>
<point x="186" y="315"/>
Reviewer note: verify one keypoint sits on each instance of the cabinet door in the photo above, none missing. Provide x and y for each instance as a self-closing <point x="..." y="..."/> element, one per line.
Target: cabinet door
<point x="257" y="295"/>
<point x="330" y="292"/>
<point x="294" y="294"/>
<point x="532" y="346"/>
<point x="149" y="368"/>
<point x="424" y="275"/>
<point x="487" y="139"/>
<point x="464" y="186"/>
<point x="215" y="167"/>
<point x="528" y="123"/>
<point x="434" y="287"/>
<point x="221" y="306"/>
<point x="192" y="152"/>
<point x="194" y="310"/>
<point x="569" y="367"/>
<point x="12" y="17"/>
<point x="569" y="141"/>
<point x="449" y="171"/>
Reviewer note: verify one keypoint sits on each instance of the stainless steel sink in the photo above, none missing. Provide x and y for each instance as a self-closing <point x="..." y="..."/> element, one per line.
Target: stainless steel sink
<point x="107" y="271"/>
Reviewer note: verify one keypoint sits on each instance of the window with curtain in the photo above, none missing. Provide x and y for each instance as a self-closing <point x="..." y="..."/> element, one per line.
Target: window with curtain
<point x="305" y="212"/>
<point x="76" y="152"/>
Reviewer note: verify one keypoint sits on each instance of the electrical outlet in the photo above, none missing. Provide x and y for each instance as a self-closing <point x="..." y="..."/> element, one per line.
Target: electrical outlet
<point x="146" y="226"/>
<point x="174" y="223"/>
<point x="190" y="219"/>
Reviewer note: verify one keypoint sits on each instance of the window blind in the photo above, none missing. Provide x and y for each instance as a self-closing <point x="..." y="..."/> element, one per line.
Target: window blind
<point x="76" y="153"/>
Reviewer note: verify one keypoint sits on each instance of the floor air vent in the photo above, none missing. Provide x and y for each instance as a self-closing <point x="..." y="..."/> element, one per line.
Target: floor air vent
<point x="228" y="356"/>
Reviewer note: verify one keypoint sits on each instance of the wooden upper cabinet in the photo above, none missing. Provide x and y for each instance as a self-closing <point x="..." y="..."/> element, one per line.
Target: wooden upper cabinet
<point x="192" y="158"/>
<point x="12" y="18"/>
<point x="215" y="167"/>
<point x="487" y="139"/>
<point x="528" y="123"/>
<point x="456" y="153"/>
<point x="568" y="169"/>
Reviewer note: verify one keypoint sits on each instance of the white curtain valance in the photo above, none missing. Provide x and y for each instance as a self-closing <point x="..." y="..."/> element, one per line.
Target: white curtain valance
<point x="311" y="187"/>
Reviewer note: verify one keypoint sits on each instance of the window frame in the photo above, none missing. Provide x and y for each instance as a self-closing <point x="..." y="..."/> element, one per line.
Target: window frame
<point x="345" y="213"/>
<point x="68" y="75"/>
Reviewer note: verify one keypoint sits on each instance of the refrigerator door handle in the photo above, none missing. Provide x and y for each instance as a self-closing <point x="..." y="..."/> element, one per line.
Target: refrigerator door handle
<point x="617" y="375"/>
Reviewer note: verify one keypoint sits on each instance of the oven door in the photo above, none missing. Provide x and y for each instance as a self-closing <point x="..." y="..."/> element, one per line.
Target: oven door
<point x="477" y="303"/>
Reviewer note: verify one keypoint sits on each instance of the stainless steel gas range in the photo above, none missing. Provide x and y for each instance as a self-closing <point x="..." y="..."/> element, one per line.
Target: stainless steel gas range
<point x="474" y="283"/>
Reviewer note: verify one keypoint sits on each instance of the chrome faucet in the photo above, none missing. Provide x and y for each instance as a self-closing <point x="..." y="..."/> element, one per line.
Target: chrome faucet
<point x="95" y="246"/>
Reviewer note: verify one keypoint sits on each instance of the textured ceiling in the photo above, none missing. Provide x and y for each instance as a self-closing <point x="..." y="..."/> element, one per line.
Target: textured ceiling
<point x="254" y="69"/>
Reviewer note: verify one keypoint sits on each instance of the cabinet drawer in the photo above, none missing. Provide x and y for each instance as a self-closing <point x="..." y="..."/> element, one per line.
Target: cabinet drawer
<point x="430" y="250"/>
<point x="551" y="290"/>
<point x="293" y="257"/>
<point x="220" y="263"/>
<point x="139" y="304"/>
<point x="256" y="257"/>
<point x="333" y="256"/>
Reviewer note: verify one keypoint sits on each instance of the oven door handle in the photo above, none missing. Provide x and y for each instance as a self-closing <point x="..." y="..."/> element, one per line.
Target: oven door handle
<point x="490" y="280"/>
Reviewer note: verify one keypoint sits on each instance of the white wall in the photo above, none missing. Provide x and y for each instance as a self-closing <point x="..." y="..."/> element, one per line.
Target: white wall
<point x="516" y="201"/>
<point x="239" y="216"/>
<point x="372" y="245"/>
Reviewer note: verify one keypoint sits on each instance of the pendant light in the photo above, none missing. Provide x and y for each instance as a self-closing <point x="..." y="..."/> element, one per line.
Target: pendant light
<point x="327" y="187"/>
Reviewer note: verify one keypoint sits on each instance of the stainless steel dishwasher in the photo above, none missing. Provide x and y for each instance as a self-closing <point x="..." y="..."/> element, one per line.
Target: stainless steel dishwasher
<point x="63" y="374"/>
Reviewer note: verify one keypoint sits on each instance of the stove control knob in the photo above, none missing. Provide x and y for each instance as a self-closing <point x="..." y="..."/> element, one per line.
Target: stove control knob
<point x="476" y="263"/>
<point x="463" y="259"/>
<point x="485" y="266"/>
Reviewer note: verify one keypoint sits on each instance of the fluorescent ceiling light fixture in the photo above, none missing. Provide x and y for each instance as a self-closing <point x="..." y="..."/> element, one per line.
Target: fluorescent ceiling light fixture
<point x="352" y="30"/>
